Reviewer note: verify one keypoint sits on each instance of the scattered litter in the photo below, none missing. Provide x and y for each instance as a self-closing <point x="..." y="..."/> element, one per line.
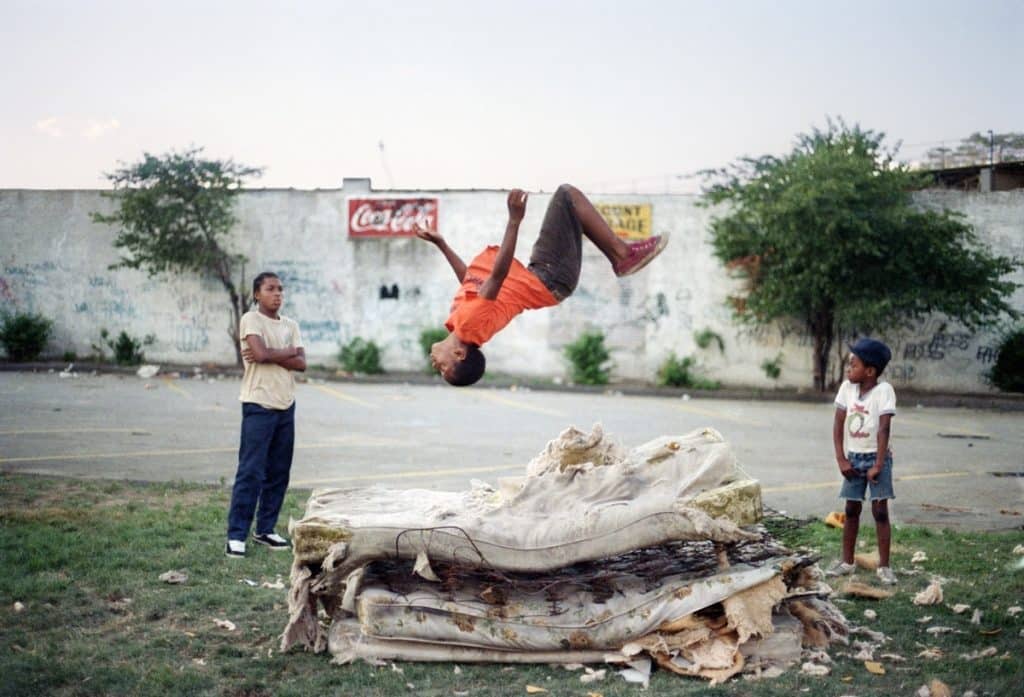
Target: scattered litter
<point x="960" y="608"/>
<point x="871" y="634"/>
<point x="874" y="667"/>
<point x="1014" y="610"/>
<point x="225" y="624"/>
<point x="971" y="436"/>
<point x="592" y="675"/>
<point x="936" y="688"/>
<point x="117" y="604"/>
<point x="870" y="614"/>
<point x="864" y="590"/>
<point x="276" y="585"/>
<point x="866" y="561"/>
<point x="769" y="673"/>
<point x="975" y="655"/>
<point x="410" y="686"/>
<point x="932" y="595"/>
<point x="19" y="606"/>
<point x="68" y="372"/>
<point x="976" y="617"/>
<point x="814" y="669"/>
<point x="991" y="632"/>
<point x="932" y="652"/>
<point x="835" y="519"/>
<point x="249" y="582"/>
<point x="174" y="577"/>
<point x="639" y="672"/>
<point x="866" y="653"/>
<point x="396" y="669"/>
<point x="893" y="657"/>
<point x="939" y="630"/>
<point x="1019" y="549"/>
<point x="919" y="558"/>
<point x="147" y="371"/>
<point x="573" y="666"/>
<point x="457" y="670"/>
<point x="199" y="661"/>
<point x="926" y="619"/>
<point x="534" y="690"/>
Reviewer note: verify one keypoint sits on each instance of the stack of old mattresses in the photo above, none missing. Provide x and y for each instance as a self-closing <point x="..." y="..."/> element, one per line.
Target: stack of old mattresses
<point x="596" y="554"/>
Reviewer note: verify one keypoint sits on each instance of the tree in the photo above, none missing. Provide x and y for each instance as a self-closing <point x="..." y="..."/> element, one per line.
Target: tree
<point x="977" y="149"/>
<point x="829" y="236"/>
<point x="174" y="213"/>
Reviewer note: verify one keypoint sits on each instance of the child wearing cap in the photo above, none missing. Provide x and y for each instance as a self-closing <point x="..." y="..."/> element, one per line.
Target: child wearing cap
<point x="865" y="406"/>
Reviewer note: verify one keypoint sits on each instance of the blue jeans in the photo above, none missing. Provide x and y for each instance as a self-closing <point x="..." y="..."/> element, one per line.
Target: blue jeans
<point x="264" y="464"/>
<point x="855" y="488"/>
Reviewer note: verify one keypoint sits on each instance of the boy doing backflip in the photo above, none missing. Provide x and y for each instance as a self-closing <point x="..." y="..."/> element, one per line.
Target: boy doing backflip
<point x="865" y="406"/>
<point x="495" y="287"/>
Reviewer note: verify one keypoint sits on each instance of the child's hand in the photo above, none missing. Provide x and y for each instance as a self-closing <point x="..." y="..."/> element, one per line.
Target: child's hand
<point x="428" y="235"/>
<point x="516" y="205"/>
<point x="873" y="474"/>
<point x="846" y="469"/>
<point x="248" y="356"/>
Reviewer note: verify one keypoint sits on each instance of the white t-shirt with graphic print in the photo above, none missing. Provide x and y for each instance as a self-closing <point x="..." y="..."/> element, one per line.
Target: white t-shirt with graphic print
<point x="860" y="432"/>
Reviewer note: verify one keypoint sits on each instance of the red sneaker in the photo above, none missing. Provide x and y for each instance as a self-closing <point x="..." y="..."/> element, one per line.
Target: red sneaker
<point x="640" y="255"/>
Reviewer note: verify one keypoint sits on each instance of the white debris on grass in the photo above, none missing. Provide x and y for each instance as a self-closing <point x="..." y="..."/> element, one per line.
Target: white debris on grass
<point x="19" y="606"/>
<point x="815" y="669"/>
<point x="961" y="608"/>
<point x="592" y="675"/>
<point x="174" y="577"/>
<point x="1019" y="549"/>
<point x="932" y="652"/>
<point x="870" y="614"/>
<point x="924" y="620"/>
<point x="1014" y="610"/>
<point x="939" y="630"/>
<point x="932" y="595"/>
<point x="976" y="617"/>
<point x="919" y="558"/>
<point x="975" y="655"/>
<point x="225" y="624"/>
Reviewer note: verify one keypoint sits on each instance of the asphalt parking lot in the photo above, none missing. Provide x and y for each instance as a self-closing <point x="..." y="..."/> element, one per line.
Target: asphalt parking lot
<point x="954" y="467"/>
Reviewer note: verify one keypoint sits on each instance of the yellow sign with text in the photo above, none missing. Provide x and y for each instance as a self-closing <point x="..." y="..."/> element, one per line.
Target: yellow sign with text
<point x="630" y="221"/>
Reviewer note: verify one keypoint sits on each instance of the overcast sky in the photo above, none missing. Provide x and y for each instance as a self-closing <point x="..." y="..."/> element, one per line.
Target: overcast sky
<point x="435" y="94"/>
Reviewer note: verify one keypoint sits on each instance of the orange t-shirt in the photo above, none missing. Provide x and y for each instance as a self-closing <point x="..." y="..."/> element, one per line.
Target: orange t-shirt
<point x="474" y="319"/>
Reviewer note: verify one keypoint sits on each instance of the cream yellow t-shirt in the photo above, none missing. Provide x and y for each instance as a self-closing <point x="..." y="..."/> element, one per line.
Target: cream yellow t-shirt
<point x="268" y="384"/>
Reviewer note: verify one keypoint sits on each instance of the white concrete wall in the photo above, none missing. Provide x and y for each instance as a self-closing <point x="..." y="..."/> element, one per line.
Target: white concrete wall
<point x="53" y="260"/>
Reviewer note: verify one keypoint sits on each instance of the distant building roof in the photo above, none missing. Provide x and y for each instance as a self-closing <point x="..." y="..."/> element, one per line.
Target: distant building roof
<point x="1000" y="176"/>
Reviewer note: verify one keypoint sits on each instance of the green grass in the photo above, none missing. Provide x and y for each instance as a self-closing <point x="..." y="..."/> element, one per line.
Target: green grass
<point x="73" y="550"/>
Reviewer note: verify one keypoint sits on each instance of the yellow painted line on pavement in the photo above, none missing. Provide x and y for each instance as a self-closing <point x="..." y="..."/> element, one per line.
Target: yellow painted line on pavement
<point x="516" y="404"/>
<point x="338" y="394"/>
<point x="170" y="385"/>
<point x="826" y="485"/>
<point x="411" y="474"/>
<point x="146" y="453"/>
<point x="50" y="431"/>
<point x="719" y="415"/>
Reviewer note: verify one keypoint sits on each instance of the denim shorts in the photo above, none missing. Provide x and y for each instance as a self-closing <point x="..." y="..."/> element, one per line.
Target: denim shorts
<point x="855" y="487"/>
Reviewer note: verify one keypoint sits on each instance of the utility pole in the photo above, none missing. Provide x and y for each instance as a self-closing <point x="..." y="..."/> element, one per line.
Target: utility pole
<point x="991" y="147"/>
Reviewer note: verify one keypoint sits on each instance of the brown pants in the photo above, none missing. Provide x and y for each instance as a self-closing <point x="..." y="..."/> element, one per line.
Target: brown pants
<point x="557" y="255"/>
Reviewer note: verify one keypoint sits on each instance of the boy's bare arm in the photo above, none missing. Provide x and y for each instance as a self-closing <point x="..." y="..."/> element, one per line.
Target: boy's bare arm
<point x="256" y="351"/>
<point x="838" y="424"/>
<point x="296" y="362"/>
<point x="503" y="261"/>
<point x="884" y="429"/>
<point x="454" y="260"/>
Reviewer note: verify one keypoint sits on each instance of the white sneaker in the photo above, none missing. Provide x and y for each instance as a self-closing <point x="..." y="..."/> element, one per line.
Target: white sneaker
<point x="840" y="568"/>
<point x="235" y="548"/>
<point x="272" y="540"/>
<point x="886" y="576"/>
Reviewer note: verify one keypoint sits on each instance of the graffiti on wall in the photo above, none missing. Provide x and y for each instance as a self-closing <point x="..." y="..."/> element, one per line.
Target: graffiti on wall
<point x="630" y="221"/>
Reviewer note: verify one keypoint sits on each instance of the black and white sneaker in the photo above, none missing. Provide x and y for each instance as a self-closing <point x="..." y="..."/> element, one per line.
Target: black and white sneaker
<point x="235" y="548"/>
<point x="272" y="540"/>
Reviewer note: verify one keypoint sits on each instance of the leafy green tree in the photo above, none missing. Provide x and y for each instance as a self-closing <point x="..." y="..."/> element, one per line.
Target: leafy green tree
<point x="174" y="213"/>
<point x="829" y="236"/>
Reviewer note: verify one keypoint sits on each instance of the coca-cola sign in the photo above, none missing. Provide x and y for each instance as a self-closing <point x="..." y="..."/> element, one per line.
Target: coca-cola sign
<point x="390" y="217"/>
